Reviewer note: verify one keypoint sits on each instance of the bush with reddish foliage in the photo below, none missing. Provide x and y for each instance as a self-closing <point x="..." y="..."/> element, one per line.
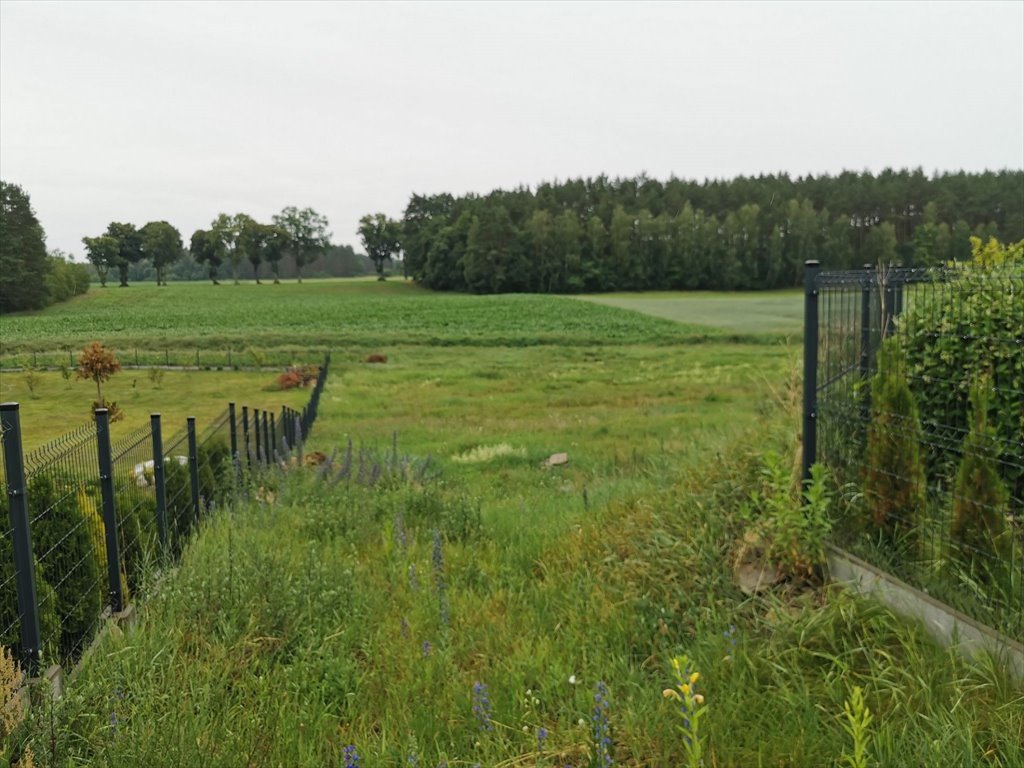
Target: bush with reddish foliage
<point x="298" y="376"/>
<point x="289" y="380"/>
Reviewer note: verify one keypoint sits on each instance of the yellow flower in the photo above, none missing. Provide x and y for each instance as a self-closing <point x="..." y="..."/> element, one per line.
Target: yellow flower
<point x="685" y="689"/>
<point x="668" y="693"/>
<point x="698" y="699"/>
<point x="694" y="677"/>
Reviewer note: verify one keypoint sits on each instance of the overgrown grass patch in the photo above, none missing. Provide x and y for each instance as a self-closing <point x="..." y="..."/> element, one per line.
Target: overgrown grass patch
<point x="348" y="615"/>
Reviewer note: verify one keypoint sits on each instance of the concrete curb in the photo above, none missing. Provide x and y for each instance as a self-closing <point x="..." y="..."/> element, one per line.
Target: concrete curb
<point x="946" y="625"/>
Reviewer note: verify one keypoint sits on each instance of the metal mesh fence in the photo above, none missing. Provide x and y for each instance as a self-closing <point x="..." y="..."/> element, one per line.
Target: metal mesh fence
<point x="181" y="515"/>
<point x="68" y="539"/>
<point x="920" y="418"/>
<point x="72" y="486"/>
<point x="135" y="502"/>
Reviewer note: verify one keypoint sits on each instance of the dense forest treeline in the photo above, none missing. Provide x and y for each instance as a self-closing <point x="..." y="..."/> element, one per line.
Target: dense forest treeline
<point x="602" y="234"/>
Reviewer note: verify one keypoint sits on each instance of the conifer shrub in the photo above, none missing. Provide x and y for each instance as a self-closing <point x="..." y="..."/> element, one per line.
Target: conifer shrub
<point x="978" y="530"/>
<point x="46" y="599"/>
<point x="894" y="481"/>
<point x="136" y="532"/>
<point x="63" y="543"/>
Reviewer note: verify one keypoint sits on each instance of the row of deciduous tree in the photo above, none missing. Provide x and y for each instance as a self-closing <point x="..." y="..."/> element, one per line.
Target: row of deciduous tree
<point x="31" y="278"/>
<point x="601" y="234"/>
<point x="299" y="233"/>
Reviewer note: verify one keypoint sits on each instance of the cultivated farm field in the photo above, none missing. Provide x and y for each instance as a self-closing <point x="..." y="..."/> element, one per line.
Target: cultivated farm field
<point x="450" y="599"/>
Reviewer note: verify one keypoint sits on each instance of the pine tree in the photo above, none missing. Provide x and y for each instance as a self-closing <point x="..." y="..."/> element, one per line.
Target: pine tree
<point x="894" y="476"/>
<point x="979" y="495"/>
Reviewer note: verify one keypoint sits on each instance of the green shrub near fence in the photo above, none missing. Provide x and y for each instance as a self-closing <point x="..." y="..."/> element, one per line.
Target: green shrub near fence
<point x="63" y="538"/>
<point x="952" y="337"/>
<point x="10" y="627"/>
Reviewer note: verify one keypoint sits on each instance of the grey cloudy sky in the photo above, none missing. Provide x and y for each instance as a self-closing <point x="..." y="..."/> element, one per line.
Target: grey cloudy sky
<point x="179" y="111"/>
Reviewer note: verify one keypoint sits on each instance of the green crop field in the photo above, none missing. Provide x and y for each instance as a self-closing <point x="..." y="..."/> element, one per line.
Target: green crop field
<point x="437" y="595"/>
<point x="344" y="313"/>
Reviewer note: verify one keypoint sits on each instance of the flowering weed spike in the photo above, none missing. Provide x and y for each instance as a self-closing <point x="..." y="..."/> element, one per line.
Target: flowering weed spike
<point x="858" y="720"/>
<point x="691" y="708"/>
<point x="351" y="756"/>
<point x="600" y="727"/>
<point x="482" y="706"/>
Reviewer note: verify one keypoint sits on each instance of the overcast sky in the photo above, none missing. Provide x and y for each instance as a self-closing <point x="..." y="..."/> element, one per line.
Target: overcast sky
<point x="180" y="111"/>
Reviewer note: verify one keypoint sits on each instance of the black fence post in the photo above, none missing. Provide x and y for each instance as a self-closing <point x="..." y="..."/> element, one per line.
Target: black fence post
<point x="267" y="445"/>
<point x="810" y="434"/>
<point x="273" y="438"/>
<point x="21" y="535"/>
<point x="256" y="432"/>
<point x="159" y="481"/>
<point x="888" y="300"/>
<point x="109" y="510"/>
<point x="245" y="435"/>
<point x="865" y="338"/>
<point x="897" y="299"/>
<point x="234" y="440"/>
<point x="193" y="466"/>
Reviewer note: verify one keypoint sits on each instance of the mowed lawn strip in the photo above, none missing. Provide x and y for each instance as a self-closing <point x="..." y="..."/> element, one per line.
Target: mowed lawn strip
<point x="763" y="312"/>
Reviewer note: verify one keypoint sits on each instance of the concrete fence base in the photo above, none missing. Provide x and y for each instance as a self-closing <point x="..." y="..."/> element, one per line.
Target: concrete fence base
<point x="946" y="625"/>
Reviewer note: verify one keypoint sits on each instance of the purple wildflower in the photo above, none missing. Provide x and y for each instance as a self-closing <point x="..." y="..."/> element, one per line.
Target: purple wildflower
<point x="601" y="728"/>
<point x="482" y="706"/>
<point x="351" y="756"/>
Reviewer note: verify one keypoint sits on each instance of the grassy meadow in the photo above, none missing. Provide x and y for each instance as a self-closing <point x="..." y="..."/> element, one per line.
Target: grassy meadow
<point x="436" y="595"/>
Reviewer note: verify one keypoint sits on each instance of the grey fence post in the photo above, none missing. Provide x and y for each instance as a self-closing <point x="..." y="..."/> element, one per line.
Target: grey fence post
<point x="810" y="426"/>
<point x="193" y="466"/>
<point x="21" y="535"/>
<point x="109" y="510"/>
<point x="159" y="481"/>
<point x="245" y="435"/>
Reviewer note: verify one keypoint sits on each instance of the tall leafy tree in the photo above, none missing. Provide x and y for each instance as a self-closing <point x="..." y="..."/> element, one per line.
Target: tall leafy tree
<point x="231" y="231"/>
<point x="103" y="253"/>
<point x="23" y="263"/>
<point x="161" y="244"/>
<point x="129" y="247"/>
<point x="207" y="248"/>
<point x="381" y="238"/>
<point x="253" y="237"/>
<point x="277" y="244"/>
<point x="307" y="233"/>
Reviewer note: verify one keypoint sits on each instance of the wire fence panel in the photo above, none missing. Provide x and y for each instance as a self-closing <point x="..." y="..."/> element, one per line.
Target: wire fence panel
<point x="68" y="539"/>
<point x="216" y="470"/>
<point x="920" y="418"/>
<point x="135" y="502"/>
<point x="180" y="515"/>
<point x="10" y="616"/>
<point x="64" y="485"/>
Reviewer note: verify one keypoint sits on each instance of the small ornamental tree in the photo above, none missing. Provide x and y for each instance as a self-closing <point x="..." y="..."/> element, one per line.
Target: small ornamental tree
<point x="979" y="495"/>
<point x="99" y="364"/>
<point x="894" y="480"/>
